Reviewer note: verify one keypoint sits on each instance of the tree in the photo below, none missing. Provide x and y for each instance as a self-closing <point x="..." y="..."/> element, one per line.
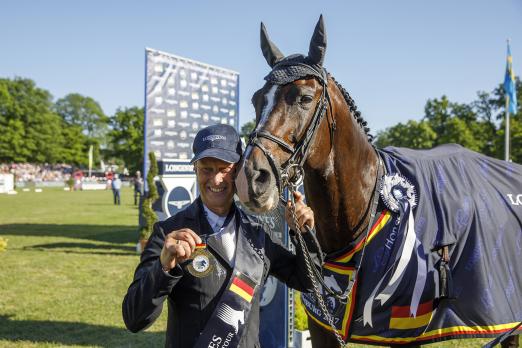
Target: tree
<point x="246" y="129"/>
<point x="475" y="126"/>
<point x="12" y="147"/>
<point x="457" y="131"/>
<point x="413" y="134"/>
<point x="85" y="112"/>
<point x="498" y="99"/>
<point x="31" y="131"/>
<point x="516" y="139"/>
<point x="437" y="113"/>
<point x="515" y="132"/>
<point x="487" y="130"/>
<point x="74" y="147"/>
<point x="126" y="137"/>
<point x="491" y="108"/>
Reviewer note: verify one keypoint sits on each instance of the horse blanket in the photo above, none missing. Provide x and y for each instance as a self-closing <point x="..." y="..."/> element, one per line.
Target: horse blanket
<point x="405" y="291"/>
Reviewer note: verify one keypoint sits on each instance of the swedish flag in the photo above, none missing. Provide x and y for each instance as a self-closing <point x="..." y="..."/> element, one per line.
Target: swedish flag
<point x="509" y="84"/>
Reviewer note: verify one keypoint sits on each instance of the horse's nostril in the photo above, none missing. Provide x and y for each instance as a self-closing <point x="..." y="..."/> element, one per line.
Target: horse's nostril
<point x="263" y="177"/>
<point x="261" y="181"/>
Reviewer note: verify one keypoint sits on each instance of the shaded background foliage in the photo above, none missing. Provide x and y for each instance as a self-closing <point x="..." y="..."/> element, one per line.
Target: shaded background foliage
<point x="479" y="126"/>
<point x="126" y="137"/>
<point x="35" y="129"/>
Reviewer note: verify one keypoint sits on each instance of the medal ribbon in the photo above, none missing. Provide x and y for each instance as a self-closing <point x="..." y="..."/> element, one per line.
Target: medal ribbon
<point x="227" y="324"/>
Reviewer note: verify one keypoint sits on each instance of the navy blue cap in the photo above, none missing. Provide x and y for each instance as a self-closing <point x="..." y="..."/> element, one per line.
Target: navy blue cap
<point x="219" y="141"/>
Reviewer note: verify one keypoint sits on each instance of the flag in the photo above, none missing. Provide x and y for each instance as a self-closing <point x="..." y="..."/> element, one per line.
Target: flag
<point x="90" y="159"/>
<point x="509" y="83"/>
<point x="402" y="319"/>
<point x="243" y="286"/>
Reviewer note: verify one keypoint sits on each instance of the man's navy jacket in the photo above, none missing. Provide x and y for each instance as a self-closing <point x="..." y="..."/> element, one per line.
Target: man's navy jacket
<point x="192" y="300"/>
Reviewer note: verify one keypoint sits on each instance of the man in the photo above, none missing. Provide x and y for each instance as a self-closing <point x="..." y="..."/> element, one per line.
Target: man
<point x="116" y="188"/>
<point x="210" y="260"/>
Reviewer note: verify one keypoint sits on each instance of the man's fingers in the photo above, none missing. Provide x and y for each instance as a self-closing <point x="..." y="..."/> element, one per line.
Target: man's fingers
<point x="303" y="213"/>
<point x="182" y="251"/>
<point x="178" y="246"/>
<point x="306" y="220"/>
<point x="189" y="240"/>
<point x="194" y="236"/>
<point x="305" y="216"/>
<point x="186" y="235"/>
<point x="298" y="196"/>
<point x="175" y="251"/>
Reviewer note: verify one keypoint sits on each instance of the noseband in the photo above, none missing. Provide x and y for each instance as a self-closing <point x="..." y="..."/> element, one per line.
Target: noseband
<point x="299" y="153"/>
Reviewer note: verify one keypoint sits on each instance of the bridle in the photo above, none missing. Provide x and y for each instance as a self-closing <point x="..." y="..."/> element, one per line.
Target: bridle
<point x="290" y="173"/>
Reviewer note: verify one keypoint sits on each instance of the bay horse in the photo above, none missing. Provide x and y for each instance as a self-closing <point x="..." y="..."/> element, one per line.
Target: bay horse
<point x="419" y="245"/>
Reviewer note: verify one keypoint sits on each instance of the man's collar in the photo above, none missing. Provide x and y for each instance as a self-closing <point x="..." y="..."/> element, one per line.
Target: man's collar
<point x="213" y="218"/>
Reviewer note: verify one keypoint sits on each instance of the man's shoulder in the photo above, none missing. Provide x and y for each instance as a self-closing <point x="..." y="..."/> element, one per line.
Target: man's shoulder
<point x="187" y="213"/>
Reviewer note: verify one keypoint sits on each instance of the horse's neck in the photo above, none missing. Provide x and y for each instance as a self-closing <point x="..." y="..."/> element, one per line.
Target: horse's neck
<point x="341" y="185"/>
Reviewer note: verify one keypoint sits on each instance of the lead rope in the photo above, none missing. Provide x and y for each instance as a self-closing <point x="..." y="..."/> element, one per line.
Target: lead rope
<point x="312" y="272"/>
<point x="312" y="277"/>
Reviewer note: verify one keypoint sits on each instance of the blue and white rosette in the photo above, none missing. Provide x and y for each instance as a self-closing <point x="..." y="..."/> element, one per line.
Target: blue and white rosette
<point x="399" y="195"/>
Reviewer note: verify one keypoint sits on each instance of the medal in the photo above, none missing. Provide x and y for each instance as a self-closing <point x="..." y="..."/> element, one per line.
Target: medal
<point x="202" y="261"/>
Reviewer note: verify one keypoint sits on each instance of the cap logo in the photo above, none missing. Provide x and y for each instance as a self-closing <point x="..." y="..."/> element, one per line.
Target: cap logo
<point x="214" y="137"/>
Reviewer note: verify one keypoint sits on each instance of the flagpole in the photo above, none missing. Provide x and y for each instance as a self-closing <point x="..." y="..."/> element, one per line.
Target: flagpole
<point x="506" y="140"/>
<point x="90" y="160"/>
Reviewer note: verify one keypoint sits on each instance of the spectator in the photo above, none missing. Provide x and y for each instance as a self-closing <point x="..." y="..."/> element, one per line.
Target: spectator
<point x="27" y="172"/>
<point x="116" y="187"/>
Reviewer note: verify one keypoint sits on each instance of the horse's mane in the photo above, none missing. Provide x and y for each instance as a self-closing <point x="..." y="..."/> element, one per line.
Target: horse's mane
<point x="353" y="109"/>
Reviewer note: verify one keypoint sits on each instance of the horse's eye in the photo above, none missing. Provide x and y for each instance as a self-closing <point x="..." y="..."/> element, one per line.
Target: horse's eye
<point x="306" y="99"/>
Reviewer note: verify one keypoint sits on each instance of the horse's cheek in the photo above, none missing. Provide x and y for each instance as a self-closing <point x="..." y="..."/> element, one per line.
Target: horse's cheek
<point x="242" y="186"/>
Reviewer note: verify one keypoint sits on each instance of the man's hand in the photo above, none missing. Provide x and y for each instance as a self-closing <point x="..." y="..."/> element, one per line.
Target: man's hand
<point x="179" y="246"/>
<point x="304" y="214"/>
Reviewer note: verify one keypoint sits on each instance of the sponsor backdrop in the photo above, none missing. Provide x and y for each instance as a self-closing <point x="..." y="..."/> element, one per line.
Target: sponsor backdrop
<point x="183" y="96"/>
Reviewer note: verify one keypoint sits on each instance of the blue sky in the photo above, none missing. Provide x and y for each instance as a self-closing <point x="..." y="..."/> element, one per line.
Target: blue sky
<point x="390" y="55"/>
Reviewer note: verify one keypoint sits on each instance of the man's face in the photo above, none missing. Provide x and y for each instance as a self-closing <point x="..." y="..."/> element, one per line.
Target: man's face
<point x="216" y="183"/>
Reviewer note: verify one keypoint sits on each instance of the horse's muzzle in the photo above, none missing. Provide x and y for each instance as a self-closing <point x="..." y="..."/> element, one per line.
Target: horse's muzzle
<point x="256" y="187"/>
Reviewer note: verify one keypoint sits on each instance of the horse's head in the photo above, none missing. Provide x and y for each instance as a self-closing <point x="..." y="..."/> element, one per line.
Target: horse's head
<point x="289" y="109"/>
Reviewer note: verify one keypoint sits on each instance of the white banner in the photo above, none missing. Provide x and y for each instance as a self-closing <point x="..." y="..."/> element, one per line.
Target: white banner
<point x="6" y="183"/>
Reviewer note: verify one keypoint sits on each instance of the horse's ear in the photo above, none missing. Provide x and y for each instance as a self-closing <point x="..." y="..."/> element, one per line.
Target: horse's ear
<point x="317" y="49"/>
<point x="270" y="50"/>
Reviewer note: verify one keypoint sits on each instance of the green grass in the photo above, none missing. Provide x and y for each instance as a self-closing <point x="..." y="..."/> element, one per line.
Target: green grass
<point x="69" y="260"/>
